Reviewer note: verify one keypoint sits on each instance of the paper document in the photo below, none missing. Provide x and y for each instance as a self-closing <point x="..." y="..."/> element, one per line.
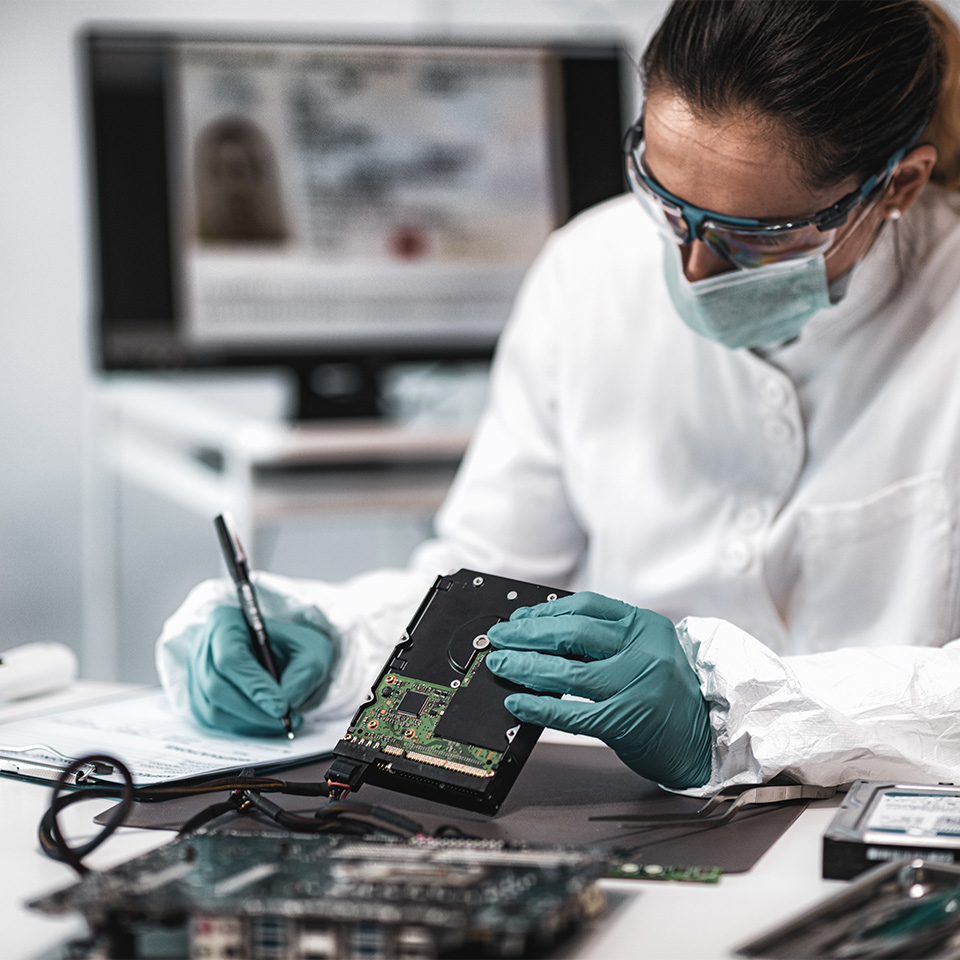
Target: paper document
<point x="155" y="744"/>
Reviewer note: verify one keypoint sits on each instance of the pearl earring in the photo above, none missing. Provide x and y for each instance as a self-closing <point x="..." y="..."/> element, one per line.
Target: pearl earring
<point x="894" y="214"/>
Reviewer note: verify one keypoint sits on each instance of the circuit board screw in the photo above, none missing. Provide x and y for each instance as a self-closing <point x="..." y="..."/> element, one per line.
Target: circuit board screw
<point x="481" y="642"/>
<point x="478" y="581"/>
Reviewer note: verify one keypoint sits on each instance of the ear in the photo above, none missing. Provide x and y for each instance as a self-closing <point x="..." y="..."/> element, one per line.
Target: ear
<point x="910" y="178"/>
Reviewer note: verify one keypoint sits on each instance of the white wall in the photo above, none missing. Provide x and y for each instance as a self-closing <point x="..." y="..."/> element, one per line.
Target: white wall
<point x="44" y="362"/>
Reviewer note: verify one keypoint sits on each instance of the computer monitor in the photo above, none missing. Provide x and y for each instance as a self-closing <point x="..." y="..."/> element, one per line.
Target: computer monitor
<point x="331" y="206"/>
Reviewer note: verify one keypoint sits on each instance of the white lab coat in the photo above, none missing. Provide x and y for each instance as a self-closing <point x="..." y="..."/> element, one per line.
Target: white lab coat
<point x="776" y="505"/>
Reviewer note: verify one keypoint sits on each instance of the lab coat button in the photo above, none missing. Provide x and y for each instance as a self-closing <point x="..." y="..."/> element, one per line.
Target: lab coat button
<point x="773" y="392"/>
<point x="738" y="555"/>
<point x="750" y="518"/>
<point x="778" y="431"/>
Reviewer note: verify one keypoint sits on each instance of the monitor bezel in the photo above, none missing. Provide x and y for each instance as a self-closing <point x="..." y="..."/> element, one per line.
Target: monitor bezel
<point x="118" y="346"/>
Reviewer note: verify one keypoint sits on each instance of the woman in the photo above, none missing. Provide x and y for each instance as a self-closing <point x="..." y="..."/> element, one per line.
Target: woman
<point x="735" y="403"/>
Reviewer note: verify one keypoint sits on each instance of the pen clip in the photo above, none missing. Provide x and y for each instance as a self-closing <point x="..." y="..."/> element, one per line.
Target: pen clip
<point x="233" y="551"/>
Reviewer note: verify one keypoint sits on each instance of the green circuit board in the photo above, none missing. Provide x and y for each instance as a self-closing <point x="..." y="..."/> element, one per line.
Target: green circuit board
<point x="631" y="870"/>
<point x="402" y="719"/>
<point x="269" y="895"/>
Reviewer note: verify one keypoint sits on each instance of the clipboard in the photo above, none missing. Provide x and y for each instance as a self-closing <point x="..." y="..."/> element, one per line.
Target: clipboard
<point x="157" y="745"/>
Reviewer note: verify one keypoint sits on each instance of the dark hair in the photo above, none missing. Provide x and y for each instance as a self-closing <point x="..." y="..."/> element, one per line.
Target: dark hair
<point x="851" y="80"/>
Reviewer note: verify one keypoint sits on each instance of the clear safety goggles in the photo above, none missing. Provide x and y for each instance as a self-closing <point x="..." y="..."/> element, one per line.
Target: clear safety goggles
<point x="744" y="242"/>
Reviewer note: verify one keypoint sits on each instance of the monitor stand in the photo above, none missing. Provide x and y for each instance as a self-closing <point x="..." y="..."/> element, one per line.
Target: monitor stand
<point x="338" y="389"/>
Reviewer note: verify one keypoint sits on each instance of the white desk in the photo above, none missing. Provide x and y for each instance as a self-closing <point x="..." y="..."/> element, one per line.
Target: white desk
<point x="657" y="920"/>
<point x="648" y="919"/>
<point x="211" y="451"/>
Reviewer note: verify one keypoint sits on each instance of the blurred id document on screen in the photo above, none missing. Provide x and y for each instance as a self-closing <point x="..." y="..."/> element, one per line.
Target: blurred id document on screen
<point x="326" y="185"/>
<point x="156" y="745"/>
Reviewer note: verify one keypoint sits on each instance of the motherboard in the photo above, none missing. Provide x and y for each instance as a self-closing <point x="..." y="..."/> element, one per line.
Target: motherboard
<point x="265" y="896"/>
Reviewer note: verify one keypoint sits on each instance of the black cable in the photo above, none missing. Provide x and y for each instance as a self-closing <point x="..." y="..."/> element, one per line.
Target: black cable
<point x="52" y="840"/>
<point x="450" y="831"/>
<point x="337" y="816"/>
<point x="232" y="804"/>
<point x="303" y="789"/>
<point x="54" y="844"/>
<point x="263" y="784"/>
<point x="358" y="819"/>
<point x="278" y="815"/>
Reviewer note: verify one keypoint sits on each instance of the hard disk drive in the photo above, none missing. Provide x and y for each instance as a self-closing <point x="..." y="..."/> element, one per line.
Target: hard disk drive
<point x="434" y="724"/>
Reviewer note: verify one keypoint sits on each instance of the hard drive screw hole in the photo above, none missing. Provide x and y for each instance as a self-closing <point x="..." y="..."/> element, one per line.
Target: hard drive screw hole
<point x="512" y="595"/>
<point x="478" y="581"/>
<point x="481" y="642"/>
<point x="551" y="596"/>
<point x="454" y="684"/>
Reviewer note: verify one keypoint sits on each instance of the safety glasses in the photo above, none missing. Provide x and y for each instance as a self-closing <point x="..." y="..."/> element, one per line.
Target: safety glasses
<point x="745" y="242"/>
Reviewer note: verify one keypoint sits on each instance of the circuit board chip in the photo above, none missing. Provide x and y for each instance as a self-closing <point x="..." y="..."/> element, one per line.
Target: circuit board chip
<point x="412" y="703"/>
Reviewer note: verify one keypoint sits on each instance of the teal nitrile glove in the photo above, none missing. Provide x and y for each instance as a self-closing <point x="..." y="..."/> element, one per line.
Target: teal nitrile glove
<point x="646" y="700"/>
<point x="230" y="690"/>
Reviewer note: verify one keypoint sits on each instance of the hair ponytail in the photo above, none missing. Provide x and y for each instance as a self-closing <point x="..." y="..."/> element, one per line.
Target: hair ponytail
<point x="943" y="131"/>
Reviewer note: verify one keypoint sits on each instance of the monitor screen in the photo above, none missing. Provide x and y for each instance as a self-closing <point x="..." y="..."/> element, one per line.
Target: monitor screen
<point x="305" y="202"/>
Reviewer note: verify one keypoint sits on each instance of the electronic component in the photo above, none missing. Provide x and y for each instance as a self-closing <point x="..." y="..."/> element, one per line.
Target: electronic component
<point x="909" y="909"/>
<point x="267" y="895"/>
<point x="880" y="821"/>
<point x="434" y="725"/>
<point x="631" y="870"/>
<point x="412" y="703"/>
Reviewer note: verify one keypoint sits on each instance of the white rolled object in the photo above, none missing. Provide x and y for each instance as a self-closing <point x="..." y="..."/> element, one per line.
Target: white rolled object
<point x="35" y="668"/>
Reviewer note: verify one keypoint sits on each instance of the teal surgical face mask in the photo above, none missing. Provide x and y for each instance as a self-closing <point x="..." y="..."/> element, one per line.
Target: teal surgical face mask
<point x="749" y="308"/>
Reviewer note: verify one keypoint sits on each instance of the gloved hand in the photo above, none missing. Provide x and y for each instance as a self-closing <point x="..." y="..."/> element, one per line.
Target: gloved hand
<point x="230" y="690"/>
<point x="646" y="697"/>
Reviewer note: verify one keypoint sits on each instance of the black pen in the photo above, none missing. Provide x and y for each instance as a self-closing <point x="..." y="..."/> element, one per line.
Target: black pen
<point x="240" y="573"/>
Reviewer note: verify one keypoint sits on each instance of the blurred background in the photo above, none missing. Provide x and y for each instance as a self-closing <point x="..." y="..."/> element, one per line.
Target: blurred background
<point x="58" y="581"/>
<point x="96" y="557"/>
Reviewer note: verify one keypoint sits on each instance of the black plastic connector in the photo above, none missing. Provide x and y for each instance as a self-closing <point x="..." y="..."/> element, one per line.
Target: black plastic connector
<point x="345" y="772"/>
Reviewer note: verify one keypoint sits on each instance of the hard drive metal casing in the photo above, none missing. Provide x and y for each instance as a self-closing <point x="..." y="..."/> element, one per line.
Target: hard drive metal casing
<point x="434" y="724"/>
<point x="881" y="821"/>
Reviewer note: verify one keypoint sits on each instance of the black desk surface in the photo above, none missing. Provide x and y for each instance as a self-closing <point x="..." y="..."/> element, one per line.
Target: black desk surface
<point x="560" y="788"/>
